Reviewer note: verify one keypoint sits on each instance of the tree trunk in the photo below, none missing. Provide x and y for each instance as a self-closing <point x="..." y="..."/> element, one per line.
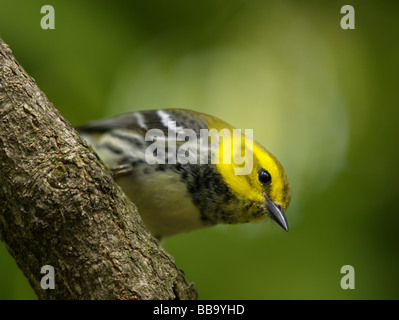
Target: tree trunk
<point x="59" y="206"/>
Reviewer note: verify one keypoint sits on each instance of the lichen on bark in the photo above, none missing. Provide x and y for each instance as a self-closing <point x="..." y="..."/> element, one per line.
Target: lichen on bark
<point x="59" y="206"/>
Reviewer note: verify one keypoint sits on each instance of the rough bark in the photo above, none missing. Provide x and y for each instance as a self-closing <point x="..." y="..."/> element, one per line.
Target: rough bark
<point x="59" y="206"/>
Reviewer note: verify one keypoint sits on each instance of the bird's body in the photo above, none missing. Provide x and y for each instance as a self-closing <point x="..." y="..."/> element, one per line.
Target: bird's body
<point x="173" y="167"/>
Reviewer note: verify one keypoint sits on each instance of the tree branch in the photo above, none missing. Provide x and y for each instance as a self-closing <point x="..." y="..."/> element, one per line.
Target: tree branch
<point x="59" y="206"/>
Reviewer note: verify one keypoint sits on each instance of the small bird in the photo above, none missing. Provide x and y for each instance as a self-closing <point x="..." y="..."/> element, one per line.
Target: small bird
<point x="187" y="170"/>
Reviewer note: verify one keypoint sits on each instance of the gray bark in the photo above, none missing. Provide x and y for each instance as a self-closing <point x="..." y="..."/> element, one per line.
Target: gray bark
<point x="59" y="206"/>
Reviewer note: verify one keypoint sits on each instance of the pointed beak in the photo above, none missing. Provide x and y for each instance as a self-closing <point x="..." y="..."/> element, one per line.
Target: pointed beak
<point x="277" y="213"/>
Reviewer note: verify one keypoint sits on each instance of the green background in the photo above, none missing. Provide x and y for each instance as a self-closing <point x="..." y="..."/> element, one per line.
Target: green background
<point x="324" y="100"/>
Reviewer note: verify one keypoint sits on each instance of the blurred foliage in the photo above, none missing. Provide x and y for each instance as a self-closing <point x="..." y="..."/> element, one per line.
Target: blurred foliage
<point x="322" y="99"/>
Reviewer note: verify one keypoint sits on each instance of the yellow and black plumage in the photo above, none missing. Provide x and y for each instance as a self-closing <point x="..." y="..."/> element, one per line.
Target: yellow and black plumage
<point x="174" y="197"/>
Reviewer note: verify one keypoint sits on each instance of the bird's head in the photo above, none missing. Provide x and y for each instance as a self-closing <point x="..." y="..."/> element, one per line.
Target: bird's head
<point x="255" y="177"/>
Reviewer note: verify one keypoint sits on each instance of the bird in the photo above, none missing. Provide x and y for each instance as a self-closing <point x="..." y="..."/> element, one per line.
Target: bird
<point x="186" y="170"/>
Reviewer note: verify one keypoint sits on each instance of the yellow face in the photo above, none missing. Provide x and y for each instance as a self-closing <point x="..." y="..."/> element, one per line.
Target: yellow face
<point x="249" y="184"/>
<point x="266" y="184"/>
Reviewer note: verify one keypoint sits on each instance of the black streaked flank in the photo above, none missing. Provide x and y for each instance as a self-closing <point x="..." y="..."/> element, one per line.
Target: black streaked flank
<point x="208" y="191"/>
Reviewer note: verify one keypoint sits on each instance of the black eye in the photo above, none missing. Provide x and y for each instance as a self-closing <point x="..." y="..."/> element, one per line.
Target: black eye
<point x="264" y="177"/>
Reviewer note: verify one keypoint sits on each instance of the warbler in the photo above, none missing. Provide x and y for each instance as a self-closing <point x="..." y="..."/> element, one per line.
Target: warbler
<point x="187" y="170"/>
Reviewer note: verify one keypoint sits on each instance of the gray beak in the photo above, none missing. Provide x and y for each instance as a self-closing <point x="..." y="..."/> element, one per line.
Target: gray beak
<point x="277" y="213"/>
